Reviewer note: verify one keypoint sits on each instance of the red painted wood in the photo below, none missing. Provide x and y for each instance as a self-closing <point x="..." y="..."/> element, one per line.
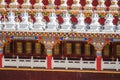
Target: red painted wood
<point x="1" y="55"/>
<point x="98" y="63"/>
<point x="49" y="62"/>
<point x="55" y="75"/>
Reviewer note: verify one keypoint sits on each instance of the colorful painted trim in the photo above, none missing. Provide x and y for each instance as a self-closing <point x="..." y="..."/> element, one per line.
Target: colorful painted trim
<point x="61" y="34"/>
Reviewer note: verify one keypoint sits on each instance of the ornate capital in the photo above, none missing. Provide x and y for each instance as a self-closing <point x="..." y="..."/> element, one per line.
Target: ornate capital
<point x="49" y="41"/>
<point x="2" y="41"/>
<point x="99" y="43"/>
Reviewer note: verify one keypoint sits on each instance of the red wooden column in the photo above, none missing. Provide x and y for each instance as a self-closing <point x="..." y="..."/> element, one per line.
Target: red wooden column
<point x="2" y="40"/>
<point x="98" y="44"/>
<point x="49" y="43"/>
<point x="49" y="59"/>
<point x="1" y="55"/>
<point x="98" y="60"/>
<point x="48" y="46"/>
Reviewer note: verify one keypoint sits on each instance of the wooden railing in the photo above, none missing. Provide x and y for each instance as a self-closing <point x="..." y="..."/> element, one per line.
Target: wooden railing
<point x="17" y="62"/>
<point x="60" y="63"/>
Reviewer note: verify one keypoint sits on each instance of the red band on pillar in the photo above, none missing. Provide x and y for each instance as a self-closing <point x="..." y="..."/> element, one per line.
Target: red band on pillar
<point x="98" y="63"/>
<point x="49" y="62"/>
<point x="1" y="55"/>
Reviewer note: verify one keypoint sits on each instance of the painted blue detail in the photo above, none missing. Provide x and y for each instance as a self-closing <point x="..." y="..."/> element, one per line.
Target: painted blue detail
<point x="36" y="37"/>
<point x="111" y="39"/>
<point x="85" y="38"/>
<point x="61" y="38"/>
<point x="12" y="37"/>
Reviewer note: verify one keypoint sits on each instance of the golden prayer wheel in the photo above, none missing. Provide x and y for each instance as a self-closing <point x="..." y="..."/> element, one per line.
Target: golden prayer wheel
<point x="7" y="48"/>
<point x="118" y="50"/>
<point x="69" y="48"/>
<point x="28" y="47"/>
<point x="19" y="47"/>
<point x="78" y="48"/>
<point x="106" y="50"/>
<point x="56" y="49"/>
<point x="37" y="48"/>
<point x="87" y="49"/>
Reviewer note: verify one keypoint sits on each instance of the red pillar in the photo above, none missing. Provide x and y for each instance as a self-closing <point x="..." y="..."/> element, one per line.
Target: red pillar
<point x="98" y="60"/>
<point x="1" y="55"/>
<point x="98" y="63"/>
<point x="49" y="62"/>
<point x="49" y="59"/>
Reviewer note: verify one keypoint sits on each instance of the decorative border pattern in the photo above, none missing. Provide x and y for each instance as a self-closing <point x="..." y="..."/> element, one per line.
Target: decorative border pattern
<point x="61" y="34"/>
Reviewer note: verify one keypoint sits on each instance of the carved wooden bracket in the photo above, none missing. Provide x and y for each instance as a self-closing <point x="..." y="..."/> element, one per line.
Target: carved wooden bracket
<point x="49" y="43"/>
<point x="98" y="43"/>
